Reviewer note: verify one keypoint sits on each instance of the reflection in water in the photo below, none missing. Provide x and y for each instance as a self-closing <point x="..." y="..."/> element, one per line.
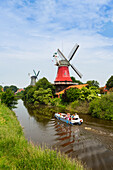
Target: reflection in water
<point x="77" y="143"/>
<point x="92" y="142"/>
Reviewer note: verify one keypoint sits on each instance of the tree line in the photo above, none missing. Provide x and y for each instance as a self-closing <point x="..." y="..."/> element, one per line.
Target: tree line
<point x="44" y="93"/>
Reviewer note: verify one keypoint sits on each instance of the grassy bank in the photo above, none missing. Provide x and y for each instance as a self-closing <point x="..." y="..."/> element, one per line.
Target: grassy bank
<point x="78" y="107"/>
<point x="17" y="153"/>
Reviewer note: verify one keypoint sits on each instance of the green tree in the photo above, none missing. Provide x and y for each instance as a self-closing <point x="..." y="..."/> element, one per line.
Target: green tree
<point x="76" y="81"/>
<point x="45" y="84"/>
<point x="93" y="83"/>
<point x="43" y="96"/>
<point x="109" y="83"/>
<point x="93" y="93"/>
<point x="1" y="90"/>
<point x="13" y="88"/>
<point x="28" y="94"/>
<point x="71" y="95"/>
<point x="6" y="87"/>
<point x="9" y="99"/>
<point x="102" y="107"/>
<point x="83" y="94"/>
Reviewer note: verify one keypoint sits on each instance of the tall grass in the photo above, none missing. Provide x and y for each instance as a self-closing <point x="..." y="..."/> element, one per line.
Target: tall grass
<point x="78" y="107"/>
<point x="17" y="153"/>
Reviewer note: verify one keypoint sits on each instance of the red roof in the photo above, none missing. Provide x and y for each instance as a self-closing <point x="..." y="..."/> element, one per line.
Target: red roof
<point x="73" y="86"/>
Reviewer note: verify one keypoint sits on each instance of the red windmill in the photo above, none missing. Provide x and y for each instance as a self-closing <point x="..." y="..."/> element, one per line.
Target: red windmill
<point x="63" y="78"/>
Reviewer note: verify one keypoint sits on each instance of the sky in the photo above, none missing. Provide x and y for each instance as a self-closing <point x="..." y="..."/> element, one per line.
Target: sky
<point x="31" y="31"/>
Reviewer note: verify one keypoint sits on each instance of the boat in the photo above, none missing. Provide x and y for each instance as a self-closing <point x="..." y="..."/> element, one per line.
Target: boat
<point x="70" y="119"/>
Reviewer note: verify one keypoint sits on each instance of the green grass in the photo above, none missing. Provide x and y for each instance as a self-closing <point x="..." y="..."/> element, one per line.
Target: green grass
<point x="17" y="153"/>
<point x="78" y="107"/>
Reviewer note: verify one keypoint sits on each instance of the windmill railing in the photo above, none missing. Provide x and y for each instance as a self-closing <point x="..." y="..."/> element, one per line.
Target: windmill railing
<point x="65" y="82"/>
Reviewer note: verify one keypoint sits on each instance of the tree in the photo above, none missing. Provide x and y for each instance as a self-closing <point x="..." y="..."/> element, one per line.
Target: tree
<point x="1" y="88"/>
<point x="28" y="94"/>
<point x="71" y="95"/>
<point x="45" y="84"/>
<point x="109" y="83"/>
<point x="83" y="94"/>
<point x="43" y="96"/>
<point x="93" y="83"/>
<point x="102" y="107"/>
<point x="6" y="87"/>
<point x="13" y="88"/>
<point x="76" y="81"/>
<point x="9" y="98"/>
<point x="93" y="93"/>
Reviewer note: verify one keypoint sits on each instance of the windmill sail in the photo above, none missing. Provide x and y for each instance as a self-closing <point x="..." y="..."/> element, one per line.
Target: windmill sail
<point x="38" y="73"/>
<point x="79" y="74"/>
<point x="61" y="55"/>
<point x="73" y="51"/>
<point x="34" y="72"/>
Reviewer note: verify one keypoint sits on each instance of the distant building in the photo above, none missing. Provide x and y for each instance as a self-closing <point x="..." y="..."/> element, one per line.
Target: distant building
<point x="19" y="90"/>
<point x="103" y="90"/>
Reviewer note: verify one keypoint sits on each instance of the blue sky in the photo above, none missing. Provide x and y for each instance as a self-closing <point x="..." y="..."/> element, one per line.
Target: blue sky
<point x="32" y="30"/>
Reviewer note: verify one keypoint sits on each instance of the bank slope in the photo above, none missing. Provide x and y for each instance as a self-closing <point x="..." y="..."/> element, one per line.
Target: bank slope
<point x="17" y="153"/>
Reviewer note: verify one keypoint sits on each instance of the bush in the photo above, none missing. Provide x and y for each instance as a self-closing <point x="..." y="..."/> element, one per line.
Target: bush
<point x="45" y="84"/>
<point x="80" y="106"/>
<point x="109" y="83"/>
<point x="83" y="94"/>
<point x="55" y="101"/>
<point x="102" y="108"/>
<point x="9" y="99"/>
<point x="28" y="94"/>
<point x="75" y="104"/>
<point x="43" y="96"/>
<point x="71" y="95"/>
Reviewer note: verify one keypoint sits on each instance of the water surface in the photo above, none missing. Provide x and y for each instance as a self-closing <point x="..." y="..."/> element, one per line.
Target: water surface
<point x="92" y="142"/>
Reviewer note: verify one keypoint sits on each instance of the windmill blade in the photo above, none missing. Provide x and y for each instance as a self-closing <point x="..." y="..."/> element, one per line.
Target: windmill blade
<point x="73" y="51"/>
<point x="38" y="73"/>
<point x="34" y="72"/>
<point x="61" y="55"/>
<point x="79" y="74"/>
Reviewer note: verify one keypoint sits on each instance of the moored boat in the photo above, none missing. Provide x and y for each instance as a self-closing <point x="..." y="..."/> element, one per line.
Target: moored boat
<point x="70" y="119"/>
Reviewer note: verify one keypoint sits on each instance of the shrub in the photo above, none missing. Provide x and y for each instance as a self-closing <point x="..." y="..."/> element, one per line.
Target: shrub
<point x="55" y="101"/>
<point x="28" y="94"/>
<point x="103" y="107"/>
<point x="75" y="104"/>
<point x="9" y="99"/>
<point x="43" y="96"/>
<point x="71" y="95"/>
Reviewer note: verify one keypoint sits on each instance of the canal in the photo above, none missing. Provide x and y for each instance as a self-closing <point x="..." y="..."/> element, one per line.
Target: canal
<point x="92" y="142"/>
